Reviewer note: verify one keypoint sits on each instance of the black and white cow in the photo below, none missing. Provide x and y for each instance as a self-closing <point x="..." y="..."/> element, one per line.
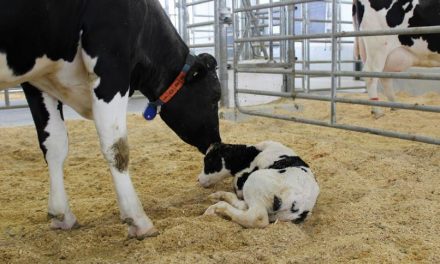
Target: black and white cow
<point x="271" y="183"/>
<point x="395" y="53"/>
<point x="90" y="55"/>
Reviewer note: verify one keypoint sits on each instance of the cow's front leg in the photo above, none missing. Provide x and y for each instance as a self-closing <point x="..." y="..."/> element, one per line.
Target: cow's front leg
<point x="52" y="136"/>
<point x="110" y="120"/>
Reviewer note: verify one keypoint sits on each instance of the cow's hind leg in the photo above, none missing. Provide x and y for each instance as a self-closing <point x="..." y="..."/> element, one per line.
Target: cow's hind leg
<point x="373" y="95"/>
<point x="388" y="90"/>
<point x="52" y="136"/>
<point x="375" y="62"/>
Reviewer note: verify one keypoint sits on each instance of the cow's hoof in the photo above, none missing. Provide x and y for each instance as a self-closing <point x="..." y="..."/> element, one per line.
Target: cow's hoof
<point x="134" y="232"/>
<point x="378" y="115"/>
<point x="63" y="221"/>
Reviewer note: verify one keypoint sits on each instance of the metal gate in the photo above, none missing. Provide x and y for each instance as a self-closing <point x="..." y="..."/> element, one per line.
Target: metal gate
<point x="287" y="68"/>
<point x="11" y="103"/>
<point x="211" y="26"/>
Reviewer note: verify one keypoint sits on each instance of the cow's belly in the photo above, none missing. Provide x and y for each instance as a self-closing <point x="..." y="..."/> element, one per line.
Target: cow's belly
<point x="424" y="57"/>
<point x="68" y="82"/>
<point x="418" y="55"/>
<point x="42" y="67"/>
<point x="71" y="84"/>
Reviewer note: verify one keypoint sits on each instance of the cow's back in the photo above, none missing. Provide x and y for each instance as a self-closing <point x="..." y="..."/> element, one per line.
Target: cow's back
<point x="426" y="13"/>
<point x="33" y="29"/>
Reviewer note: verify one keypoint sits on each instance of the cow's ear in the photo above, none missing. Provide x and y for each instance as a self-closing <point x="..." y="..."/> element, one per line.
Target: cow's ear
<point x="203" y="63"/>
<point x="131" y="91"/>
<point x="209" y="61"/>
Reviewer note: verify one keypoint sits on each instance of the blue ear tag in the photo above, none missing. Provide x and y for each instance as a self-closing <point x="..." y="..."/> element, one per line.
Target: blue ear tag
<point x="150" y="112"/>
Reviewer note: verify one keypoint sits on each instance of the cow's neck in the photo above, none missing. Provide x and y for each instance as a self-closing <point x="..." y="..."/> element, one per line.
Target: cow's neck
<point x="164" y="53"/>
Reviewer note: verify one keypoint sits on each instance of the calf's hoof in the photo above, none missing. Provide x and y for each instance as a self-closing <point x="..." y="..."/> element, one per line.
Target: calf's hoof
<point x="210" y="210"/>
<point x="217" y="196"/>
<point x="218" y="208"/>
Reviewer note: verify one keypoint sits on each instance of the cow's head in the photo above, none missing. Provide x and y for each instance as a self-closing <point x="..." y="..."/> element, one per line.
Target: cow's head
<point x="193" y="112"/>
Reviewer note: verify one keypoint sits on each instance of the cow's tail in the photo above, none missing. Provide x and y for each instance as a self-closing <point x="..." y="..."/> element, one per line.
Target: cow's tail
<point x="358" y="44"/>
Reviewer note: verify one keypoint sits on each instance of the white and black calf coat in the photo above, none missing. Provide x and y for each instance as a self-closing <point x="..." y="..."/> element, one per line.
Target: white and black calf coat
<point x="271" y="182"/>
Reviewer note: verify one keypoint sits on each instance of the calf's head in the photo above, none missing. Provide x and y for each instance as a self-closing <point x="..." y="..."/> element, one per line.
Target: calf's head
<point x="193" y="112"/>
<point x="223" y="160"/>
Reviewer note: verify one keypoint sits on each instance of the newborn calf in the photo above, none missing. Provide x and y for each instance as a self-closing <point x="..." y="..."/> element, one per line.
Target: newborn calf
<point x="270" y="181"/>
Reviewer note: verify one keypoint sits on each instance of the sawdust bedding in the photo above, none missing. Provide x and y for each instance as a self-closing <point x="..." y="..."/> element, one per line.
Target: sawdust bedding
<point x="379" y="201"/>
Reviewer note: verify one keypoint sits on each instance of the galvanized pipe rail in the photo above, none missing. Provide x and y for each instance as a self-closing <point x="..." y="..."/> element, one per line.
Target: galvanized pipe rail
<point x="201" y="24"/>
<point x="342" y="34"/>
<point x="334" y="73"/>
<point x="395" y="75"/>
<point x="426" y="108"/>
<point x="373" y="131"/>
<point x="199" y="2"/>
<point x="7" y="99"/>
<point x="218" y="26"/>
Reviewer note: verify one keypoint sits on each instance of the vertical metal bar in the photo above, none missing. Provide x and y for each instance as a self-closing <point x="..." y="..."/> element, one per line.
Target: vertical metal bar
<point x="303" y="47"/>
<point x="283" y="56"/>
<point x="306" y="58"/>
<point x="291" y="48"/>
<point x="221" y="49"/>
<point x="334" y="63"/>
<point x="7" y="99"/>
<point x="283" y="44"/>
<point x="270" y="16"/>
<point x="183" y="20"/>
<point x="167" y="7"/>
<point x="237" y="51"/>
<point x="339" y="42"/>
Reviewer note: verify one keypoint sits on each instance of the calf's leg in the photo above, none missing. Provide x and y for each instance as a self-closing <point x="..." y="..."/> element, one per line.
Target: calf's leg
<point x="254" y="217"/>
<point x="230" y="198"/>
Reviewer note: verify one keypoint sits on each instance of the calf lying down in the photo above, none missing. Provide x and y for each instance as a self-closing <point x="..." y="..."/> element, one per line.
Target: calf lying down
<point x="270" y="181"/>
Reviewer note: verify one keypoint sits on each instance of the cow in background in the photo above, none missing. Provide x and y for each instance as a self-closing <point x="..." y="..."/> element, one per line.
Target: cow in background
<point x="90" y="55"/>
<point x="395" y="53"/>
